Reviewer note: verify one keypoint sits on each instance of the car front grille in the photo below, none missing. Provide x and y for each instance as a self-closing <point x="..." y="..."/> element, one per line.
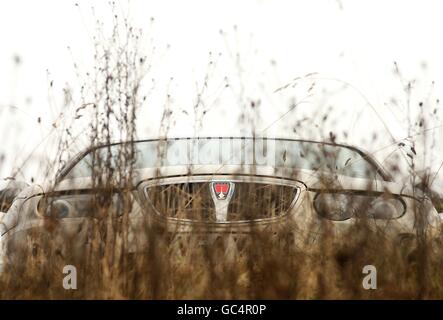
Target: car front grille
<point x="193" y="201"/>
<point x="190" y="201"/>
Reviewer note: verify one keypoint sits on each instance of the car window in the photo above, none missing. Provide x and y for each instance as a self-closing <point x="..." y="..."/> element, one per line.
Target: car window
<point x="232" y="151"/>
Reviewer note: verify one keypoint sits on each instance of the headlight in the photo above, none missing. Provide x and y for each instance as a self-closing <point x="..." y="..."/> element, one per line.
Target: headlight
<point x="83" y="205"/>
<point x="342" y="206"/>
<point x="58" y="209"/>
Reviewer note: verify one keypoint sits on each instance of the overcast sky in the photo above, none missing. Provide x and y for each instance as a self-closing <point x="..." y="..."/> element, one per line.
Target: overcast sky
<point x="342" y="42"/>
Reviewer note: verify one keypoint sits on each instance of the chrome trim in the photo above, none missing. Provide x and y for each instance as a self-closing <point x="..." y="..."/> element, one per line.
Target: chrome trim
<point x="235" y="179"/>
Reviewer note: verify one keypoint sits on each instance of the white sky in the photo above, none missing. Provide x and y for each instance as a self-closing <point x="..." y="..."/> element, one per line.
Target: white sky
<point x="354" y="41"/>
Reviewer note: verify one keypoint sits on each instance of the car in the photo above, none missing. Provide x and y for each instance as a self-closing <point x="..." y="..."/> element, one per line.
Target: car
<point x="9" y="189"/>
<point x="217" y="185"/>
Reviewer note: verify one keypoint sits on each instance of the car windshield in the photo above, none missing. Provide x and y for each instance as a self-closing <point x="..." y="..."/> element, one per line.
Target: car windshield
<point x="278" y="153"/>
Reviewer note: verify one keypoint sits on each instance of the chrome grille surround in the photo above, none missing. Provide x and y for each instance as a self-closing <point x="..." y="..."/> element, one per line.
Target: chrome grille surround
<point x="169" y="210"/>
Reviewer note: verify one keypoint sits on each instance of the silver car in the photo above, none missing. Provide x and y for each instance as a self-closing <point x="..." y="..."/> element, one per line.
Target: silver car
<point x="219" y="185"/>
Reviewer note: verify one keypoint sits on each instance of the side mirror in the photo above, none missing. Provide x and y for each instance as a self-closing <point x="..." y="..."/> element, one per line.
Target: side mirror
<point x="436" y="197"/>
<point x="8" y="191"/>
<point x="438" y="204"/>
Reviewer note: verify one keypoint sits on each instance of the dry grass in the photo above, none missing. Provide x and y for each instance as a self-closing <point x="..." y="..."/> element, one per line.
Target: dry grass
<point x="266" y="264"/>
<point x="263" y="264"/>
